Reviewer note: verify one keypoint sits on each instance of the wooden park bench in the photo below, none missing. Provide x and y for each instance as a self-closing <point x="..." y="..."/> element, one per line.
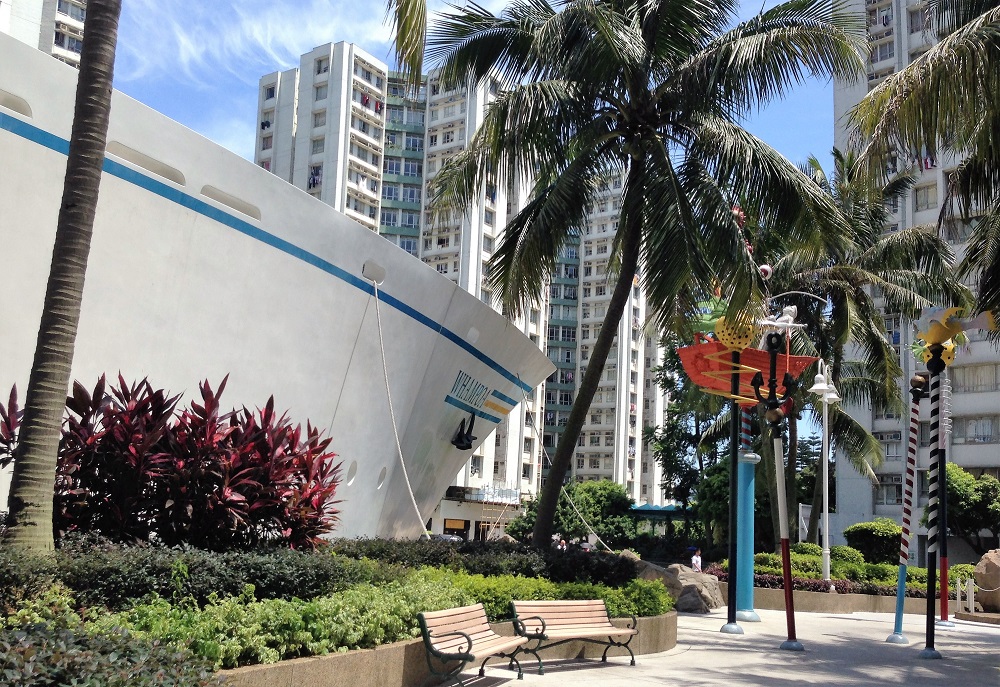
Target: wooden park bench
<point x="458" y="636"/>
<point x="551" y="623"/>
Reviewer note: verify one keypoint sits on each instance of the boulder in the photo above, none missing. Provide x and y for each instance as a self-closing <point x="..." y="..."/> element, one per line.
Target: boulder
<point x="678" y="578"/>
<point x="690" y="601"/>
<point x="987" y="577"/>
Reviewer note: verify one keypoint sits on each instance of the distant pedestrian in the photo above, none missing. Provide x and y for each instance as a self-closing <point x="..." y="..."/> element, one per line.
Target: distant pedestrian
<point x="562" y="545"/>
<point x="696" y="561"/>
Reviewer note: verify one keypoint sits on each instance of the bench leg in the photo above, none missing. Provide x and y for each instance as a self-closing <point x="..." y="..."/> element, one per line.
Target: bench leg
<point x="512" y="661"/>
<point x="625" y="645"/>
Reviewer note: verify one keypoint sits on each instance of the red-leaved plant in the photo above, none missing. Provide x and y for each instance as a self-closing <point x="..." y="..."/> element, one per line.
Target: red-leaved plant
<point x="134" y="468"/>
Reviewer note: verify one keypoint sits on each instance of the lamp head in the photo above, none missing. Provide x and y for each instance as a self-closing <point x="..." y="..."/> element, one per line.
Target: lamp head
<point x="820" y="385"/>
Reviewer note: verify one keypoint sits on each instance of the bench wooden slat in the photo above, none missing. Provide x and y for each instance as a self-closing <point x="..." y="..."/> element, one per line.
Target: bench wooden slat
<point x="477" y="640"/>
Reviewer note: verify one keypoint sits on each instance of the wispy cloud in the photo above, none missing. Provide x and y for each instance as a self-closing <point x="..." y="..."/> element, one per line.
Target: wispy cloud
<point x="201" y="43"/>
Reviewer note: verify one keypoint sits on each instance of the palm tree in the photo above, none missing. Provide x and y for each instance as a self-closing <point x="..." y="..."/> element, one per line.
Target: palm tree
<point x="908" y="270"/>
<point x="653" y="91"/>
<point x="945" y="99"/>
<point x="35" y="458"/>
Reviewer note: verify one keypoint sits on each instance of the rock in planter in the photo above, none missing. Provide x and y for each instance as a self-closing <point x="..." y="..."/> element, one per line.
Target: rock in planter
<point x="987" y="576"/>
<point x="678" y="578"/>
<point x="690" y="601"/>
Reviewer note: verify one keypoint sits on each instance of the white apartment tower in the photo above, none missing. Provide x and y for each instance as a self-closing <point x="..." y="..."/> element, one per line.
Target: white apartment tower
<point x="52" y="26"/>
<point x="322" y="126"/>
<point x="899" y="31"/>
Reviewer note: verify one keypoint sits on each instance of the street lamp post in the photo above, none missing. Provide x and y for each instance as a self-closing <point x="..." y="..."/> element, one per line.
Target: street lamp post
<point x="823" y="385"/>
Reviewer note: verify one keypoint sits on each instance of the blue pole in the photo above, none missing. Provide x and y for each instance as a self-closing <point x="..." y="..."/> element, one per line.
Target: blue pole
<point x="745" y="507"/>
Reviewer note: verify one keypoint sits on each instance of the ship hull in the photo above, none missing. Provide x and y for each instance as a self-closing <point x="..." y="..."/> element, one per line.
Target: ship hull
<point x="204" y="265"/>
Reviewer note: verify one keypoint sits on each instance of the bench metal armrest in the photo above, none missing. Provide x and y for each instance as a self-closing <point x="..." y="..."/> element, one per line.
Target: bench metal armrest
<point x="466" y="656"/>
<point x="635" y="622"/>
<point x="521" y="629"/>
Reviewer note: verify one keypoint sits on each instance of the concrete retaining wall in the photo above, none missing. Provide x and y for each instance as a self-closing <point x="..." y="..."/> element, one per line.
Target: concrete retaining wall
<point x="403" y="664"/>
<point x="820" y="602"/>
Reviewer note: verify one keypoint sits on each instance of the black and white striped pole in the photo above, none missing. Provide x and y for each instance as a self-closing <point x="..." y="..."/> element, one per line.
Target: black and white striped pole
<point x="936" y="520"/>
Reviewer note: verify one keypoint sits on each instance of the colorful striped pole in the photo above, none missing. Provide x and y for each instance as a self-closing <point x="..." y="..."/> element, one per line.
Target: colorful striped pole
<point x="745" y="498"/>
<point x="917" y="386"/>
<point x="935" y="366"/>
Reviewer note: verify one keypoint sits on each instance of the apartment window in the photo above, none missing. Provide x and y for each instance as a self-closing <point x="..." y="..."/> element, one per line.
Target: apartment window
<point x="392" y="166"/>
<point x="565" y="398"/>
<point x="976" y="430"/>
<point x="394" y="114"/>
<point x="449" y="136"/>
<point x="435" y="89"/>
<point x="323" y="65"/>
<point x="414" y="142"/>
<point x="595" y="463"/>
<point x="645" y="489"/>
<point x="319" y="118"/>
<point x="889" y="491"/>
<point x="570" y="271"/>
<point x="390" y="192"/>
<point x="883" y="51"/>
<point x="269" y="92"/>
<point x="579" y="463"/>
<point x="415" y="117"/>
<point x="318" y="145"/>
<point x="916" y="21"/>
<point x="599" y="290"/>
<point x="408" y="244"/>
<point x="442" y="267"/>
<point x="568" y="334"/>
<point x="266" y="142"/>
<point x="71" y="10"/>
<point x="569" y="292"/>
<point x="975" y="378"/>
<point x="602" y="248"/>
<point x="411" y="219"/>
<point x="555" y="291"/>
<point x="434" y="115"/>
<point x="428" y="244"/>
<point x="319" y="92"/>
<point x="489" y="217"/>
<point x="609" y="438"/>
<point x="389" y="218"/>
<point x="433" y="140"/>
<point x="266" y="164"/>
<point x="412" y="168"/>
<point x="444" y="241"/>
<point x="315" y="176"/>
<point x="488" y="248"/>
<point x="411" y="194"/>
<point x="925" y="197"/>
<point x="449" y="111"/>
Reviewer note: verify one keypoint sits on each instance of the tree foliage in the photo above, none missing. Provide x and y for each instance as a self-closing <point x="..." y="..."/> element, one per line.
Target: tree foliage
<point x="973" y="507"/>
<point x="604" y="504"/>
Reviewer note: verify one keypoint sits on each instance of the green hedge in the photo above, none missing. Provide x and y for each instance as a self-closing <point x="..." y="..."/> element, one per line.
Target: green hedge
<point x="846" y="554"/>
<point x="240" y="630"/>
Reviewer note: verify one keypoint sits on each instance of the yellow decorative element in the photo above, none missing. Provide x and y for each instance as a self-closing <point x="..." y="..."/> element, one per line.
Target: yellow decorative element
<point x="947" y="355"/>
<point x="726" y="373"/>
<point x="937" y="325"/>
<point x="735" y="337"/>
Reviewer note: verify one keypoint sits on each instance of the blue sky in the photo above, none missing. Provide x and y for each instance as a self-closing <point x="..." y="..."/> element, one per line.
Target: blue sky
<point x="199" y="63"/>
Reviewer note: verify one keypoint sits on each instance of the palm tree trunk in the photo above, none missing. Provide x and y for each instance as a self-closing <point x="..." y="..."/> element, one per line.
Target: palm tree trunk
<point x="33" y="480"/>
<point x="541" y="536"/>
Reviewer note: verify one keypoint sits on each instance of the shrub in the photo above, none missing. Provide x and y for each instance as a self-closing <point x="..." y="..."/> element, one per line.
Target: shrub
<point x="116" y="576"/>
<point x="598" y="567"/>
<point x="878" y="540"/>
<point x="23" y="578"/>
<point x="807" y="548"/>
<point x="497" y="558"/>
<point x="881" y="573"/>
<point x="40" y="655"/>
<point x="963" y="570"/>
<point x="846" y="554"/>
<point x="413" y="554"/>
<point x="132" y="468"/>
<point x="238" y="630"/>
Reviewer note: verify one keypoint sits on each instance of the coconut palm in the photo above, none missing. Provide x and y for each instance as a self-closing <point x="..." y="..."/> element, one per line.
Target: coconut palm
<point x="653" y="91"/>
<point x="35" y="458"/>
<point x="907" y="270"/>
<point x="945" y="99"/>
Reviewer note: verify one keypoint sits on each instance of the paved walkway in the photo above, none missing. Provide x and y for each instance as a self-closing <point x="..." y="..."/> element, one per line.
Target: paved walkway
<point x="840" y="650"/>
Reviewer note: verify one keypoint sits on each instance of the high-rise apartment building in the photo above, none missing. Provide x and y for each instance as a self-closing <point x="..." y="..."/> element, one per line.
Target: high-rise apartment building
<point x="899" y="31"/>
<point x="419" y="132"/>
<point x="322" y="128"/>
<point x="52" y="26"/>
